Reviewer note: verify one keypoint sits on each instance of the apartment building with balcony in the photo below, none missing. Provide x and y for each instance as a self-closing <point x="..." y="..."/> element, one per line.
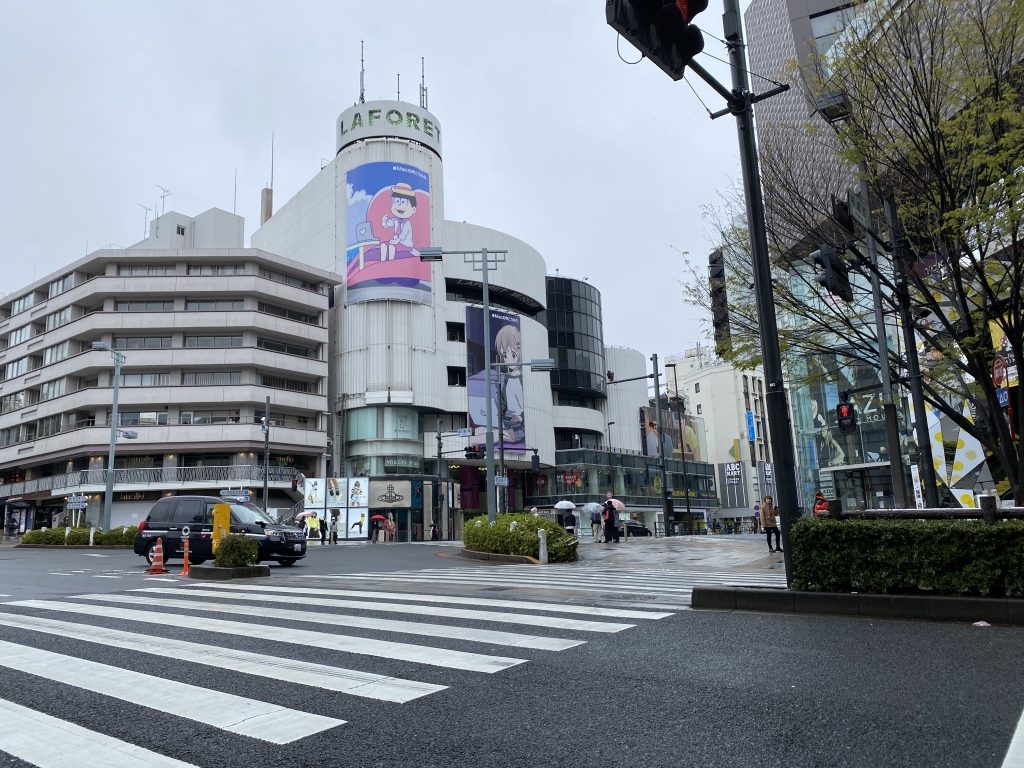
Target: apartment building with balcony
<point x="208" y="334"/>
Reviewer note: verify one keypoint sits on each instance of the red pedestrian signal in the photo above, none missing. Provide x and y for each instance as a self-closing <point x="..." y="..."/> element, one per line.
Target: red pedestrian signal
<point x="661" y="30"/>
<point x="846" y="415"/>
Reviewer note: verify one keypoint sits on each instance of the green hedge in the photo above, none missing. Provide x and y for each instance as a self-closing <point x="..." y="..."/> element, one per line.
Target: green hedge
<point x="947" y="557"/>
<point x="236" y="551"/>
<point x="502" y="538"/>
<point x="120" y="536"/>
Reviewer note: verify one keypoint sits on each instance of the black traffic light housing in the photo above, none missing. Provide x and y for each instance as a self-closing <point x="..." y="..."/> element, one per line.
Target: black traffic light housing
<point x="661" y="30"/>
<point x="475" y="452"/>
<point x="846" y="415"/>
<point x="835" y="277"/>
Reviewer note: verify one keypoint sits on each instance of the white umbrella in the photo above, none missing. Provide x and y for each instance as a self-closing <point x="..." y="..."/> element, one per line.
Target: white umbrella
<point x="591" y="507"/>
<point x="565" y="504"/>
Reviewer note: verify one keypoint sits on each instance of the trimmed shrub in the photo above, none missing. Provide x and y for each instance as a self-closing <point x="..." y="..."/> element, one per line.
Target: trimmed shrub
<point x="54" y="537"/>
<point x="502" y="537"/>
<point x="947" y="557"/>
<point x="236" y="551"/>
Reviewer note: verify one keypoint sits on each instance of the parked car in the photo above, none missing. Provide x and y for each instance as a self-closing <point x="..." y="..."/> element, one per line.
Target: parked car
<point x="634" y="528"/>
<point x="282" y="543"/>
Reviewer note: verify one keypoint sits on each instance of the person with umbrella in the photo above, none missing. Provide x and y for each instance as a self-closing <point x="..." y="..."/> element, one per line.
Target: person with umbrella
<point x="611" y="522"/>
<point x="377" y="528"/>
<point x="593" y="510"/>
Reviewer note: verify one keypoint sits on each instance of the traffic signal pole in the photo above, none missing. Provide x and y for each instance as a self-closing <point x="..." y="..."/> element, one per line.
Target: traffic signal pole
<point x="741" y="104"/>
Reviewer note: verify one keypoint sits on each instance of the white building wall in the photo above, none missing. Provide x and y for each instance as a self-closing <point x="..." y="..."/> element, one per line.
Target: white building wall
<point x="626" y="399"/>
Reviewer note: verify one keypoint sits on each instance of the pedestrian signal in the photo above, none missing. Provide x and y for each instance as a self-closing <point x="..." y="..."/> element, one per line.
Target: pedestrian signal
<point x="846" y="415"/>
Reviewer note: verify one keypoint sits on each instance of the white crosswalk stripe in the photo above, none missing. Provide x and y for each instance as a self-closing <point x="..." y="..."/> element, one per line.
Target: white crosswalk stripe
<point x="429" y="630"/>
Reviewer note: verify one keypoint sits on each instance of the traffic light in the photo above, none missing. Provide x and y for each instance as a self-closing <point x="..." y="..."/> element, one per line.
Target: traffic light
<point x="846" y="415"/>
<point x="662" y="30"/>
<point x="610" y="375"/>
<point x="475" y="452"/>
<point x="836" y="275"/>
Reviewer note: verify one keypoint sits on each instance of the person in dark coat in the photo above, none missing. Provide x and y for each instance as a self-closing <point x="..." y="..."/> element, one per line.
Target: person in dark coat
<point x="611" y="523"/>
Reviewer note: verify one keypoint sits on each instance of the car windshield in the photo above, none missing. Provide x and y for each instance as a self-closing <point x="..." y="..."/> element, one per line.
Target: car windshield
<point x="244" y="513"/>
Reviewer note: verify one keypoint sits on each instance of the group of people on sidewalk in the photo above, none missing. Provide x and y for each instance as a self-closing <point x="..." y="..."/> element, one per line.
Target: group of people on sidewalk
<point x="605" y="524"/>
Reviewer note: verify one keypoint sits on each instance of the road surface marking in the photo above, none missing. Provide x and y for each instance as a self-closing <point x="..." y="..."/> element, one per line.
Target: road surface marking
<point x="235" y="714"/>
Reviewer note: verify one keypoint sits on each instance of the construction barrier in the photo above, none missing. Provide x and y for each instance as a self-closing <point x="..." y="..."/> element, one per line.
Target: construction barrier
<point x="184" y="567"/>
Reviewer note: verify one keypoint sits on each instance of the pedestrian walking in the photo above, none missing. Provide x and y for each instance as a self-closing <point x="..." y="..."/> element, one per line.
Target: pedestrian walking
<point x="595" y="525"/>
<point x="335" y="513"/>
<point x="323" y="531"/>
<point x="611" y="523"/>
<point x="435" y="532"/>
<point x="770" y="525"/>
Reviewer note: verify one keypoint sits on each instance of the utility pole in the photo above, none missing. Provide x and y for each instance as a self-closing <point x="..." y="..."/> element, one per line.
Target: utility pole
<point x="437" y="480"/>
<point x="266" y="453"/>
<point x="666" y="502"/>
<point x="924" y="442"/>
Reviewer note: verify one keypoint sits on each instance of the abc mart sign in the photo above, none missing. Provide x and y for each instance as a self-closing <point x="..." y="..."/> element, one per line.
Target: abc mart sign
<point x="394" y="119"/>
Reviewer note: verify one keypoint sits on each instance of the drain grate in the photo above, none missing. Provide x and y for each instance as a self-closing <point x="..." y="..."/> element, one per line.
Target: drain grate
<point x="496" y="589"/>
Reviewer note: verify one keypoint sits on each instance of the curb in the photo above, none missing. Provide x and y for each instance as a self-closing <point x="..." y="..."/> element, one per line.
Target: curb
<point x="473" y="554"/>
<point x="994" y="610"/>
<point x="215" y="573"/>
<point x="72" y="546"/>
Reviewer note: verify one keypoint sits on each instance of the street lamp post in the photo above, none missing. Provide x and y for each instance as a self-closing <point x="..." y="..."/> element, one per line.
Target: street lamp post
<point x="481" y="261"/>
<point x="682" y="443"/>
<point x="265" y="423"/>
<point x="665" y="499"/>
<point x="108" y="495"/>
<point x="608" y="442"/>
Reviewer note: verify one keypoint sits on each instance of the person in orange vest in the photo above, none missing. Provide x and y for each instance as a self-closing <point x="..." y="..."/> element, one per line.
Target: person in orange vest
<point x="820" y="505"/>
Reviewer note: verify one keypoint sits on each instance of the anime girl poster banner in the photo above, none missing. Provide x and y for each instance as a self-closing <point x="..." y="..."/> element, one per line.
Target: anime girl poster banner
<point x="508" y="407"/>
<point x="388" y="222"/>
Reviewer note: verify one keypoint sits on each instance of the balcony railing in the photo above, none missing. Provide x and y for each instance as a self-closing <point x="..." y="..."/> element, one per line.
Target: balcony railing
<point x="155" y="477"/>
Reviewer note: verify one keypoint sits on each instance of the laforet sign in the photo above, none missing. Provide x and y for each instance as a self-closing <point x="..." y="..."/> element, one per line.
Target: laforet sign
<point x="388" y="118"/>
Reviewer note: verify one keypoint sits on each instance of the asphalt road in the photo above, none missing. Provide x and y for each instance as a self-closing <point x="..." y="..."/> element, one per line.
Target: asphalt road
<point x="690" y="688"/>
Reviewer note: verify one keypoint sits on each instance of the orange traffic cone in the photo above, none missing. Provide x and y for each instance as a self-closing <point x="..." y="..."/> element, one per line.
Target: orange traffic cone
<point x="158" y="558"/>
<point x="184" y="567"/>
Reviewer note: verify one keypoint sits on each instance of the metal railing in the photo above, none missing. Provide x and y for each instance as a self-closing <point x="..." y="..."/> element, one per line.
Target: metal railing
<point x="243" y="474"/>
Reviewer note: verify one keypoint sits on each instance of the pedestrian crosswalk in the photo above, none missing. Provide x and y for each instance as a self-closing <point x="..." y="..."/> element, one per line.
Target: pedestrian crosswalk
<point x="654" y="587"/>
<point x="255" y="643"/>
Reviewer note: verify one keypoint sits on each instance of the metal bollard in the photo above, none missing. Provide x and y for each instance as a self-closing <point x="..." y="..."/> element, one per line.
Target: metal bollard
<point x="987" y="503"/>
<point x="542" y="547"/>
<point x="92" y="534"/>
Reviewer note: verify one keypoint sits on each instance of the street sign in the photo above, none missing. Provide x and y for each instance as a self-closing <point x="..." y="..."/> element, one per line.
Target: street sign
<point x="78" y="497"/>
<point x="858" y="207"/>
<point x="464" y="432"/>
<point x="501" y="481"/>
<point x="77" y="505"/>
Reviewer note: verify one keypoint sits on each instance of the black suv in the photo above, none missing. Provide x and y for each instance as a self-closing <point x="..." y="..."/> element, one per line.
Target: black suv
<point x="171" y="514"/>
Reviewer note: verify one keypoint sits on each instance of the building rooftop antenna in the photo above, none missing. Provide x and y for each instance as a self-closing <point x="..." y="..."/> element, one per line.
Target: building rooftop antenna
<point x="164" y="194"/>
<point x="362" y="74"/>
<point x="145" y="221"/>
<point x="398" y="80"/>
<point x="271" y="185"/>
<point x="423" y="84"/>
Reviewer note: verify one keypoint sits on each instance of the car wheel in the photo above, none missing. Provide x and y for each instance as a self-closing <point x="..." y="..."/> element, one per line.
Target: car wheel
<point x="286" y="561"/>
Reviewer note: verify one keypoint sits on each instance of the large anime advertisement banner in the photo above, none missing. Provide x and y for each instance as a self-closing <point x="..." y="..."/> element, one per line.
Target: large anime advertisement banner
<point x="507" y="404"/>
<point x="388" y="222"/>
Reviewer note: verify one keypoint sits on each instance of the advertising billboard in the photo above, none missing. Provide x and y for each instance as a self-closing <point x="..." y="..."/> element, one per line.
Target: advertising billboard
<point x="689" y="445"/>
<point x="343" y="499"/>
<point x="387" y="222"/>
<point x="508" y="407"/>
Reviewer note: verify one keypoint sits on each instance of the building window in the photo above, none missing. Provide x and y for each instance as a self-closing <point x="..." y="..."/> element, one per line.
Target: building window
<point x="154" y="379"/>
<point x="213" y="342"/>
<point x="56" y="353"/>
<point x="209" y="417"/>
<point x="287" y="348"/>
<point x="19" y="335"/>
<point x="13" y="401"/>
<point x="48" y="426"/>
<point x="456" y="376"/>
<point x="16" y="368"/>
<point x="289" y="314"/>
<point x="142" y="418"/>
<point x="699" y="409"/>
<point x="214" y="305"/>
<point x="59" y="318"/>
<point x="142" y="342"/>
<point x="210" y="378"/>
<point x="155" y="305"/>
<point x="212" y="270"/>
<point x="180" y="229"/>
<point x="696" y="388"/>
<point x="292" y="385"/>
<point x="60" y="285"/>
<point x="23" y="303"/>
<point x="295" y="282"/>
<point x="51" y="389"/>
<point x="456" y="331"/>
<point x="145" y="270"/>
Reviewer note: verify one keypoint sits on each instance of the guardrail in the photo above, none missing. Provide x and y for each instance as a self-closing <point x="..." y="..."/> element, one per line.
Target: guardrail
<point x="988" y="511"/>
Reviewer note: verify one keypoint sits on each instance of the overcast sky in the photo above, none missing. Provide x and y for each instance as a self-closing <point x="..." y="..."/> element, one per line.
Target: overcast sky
<point x="548" y="135"/>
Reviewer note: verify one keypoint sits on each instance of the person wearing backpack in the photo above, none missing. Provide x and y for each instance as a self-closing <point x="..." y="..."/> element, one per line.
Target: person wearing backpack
<point x="595" y="525"/>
